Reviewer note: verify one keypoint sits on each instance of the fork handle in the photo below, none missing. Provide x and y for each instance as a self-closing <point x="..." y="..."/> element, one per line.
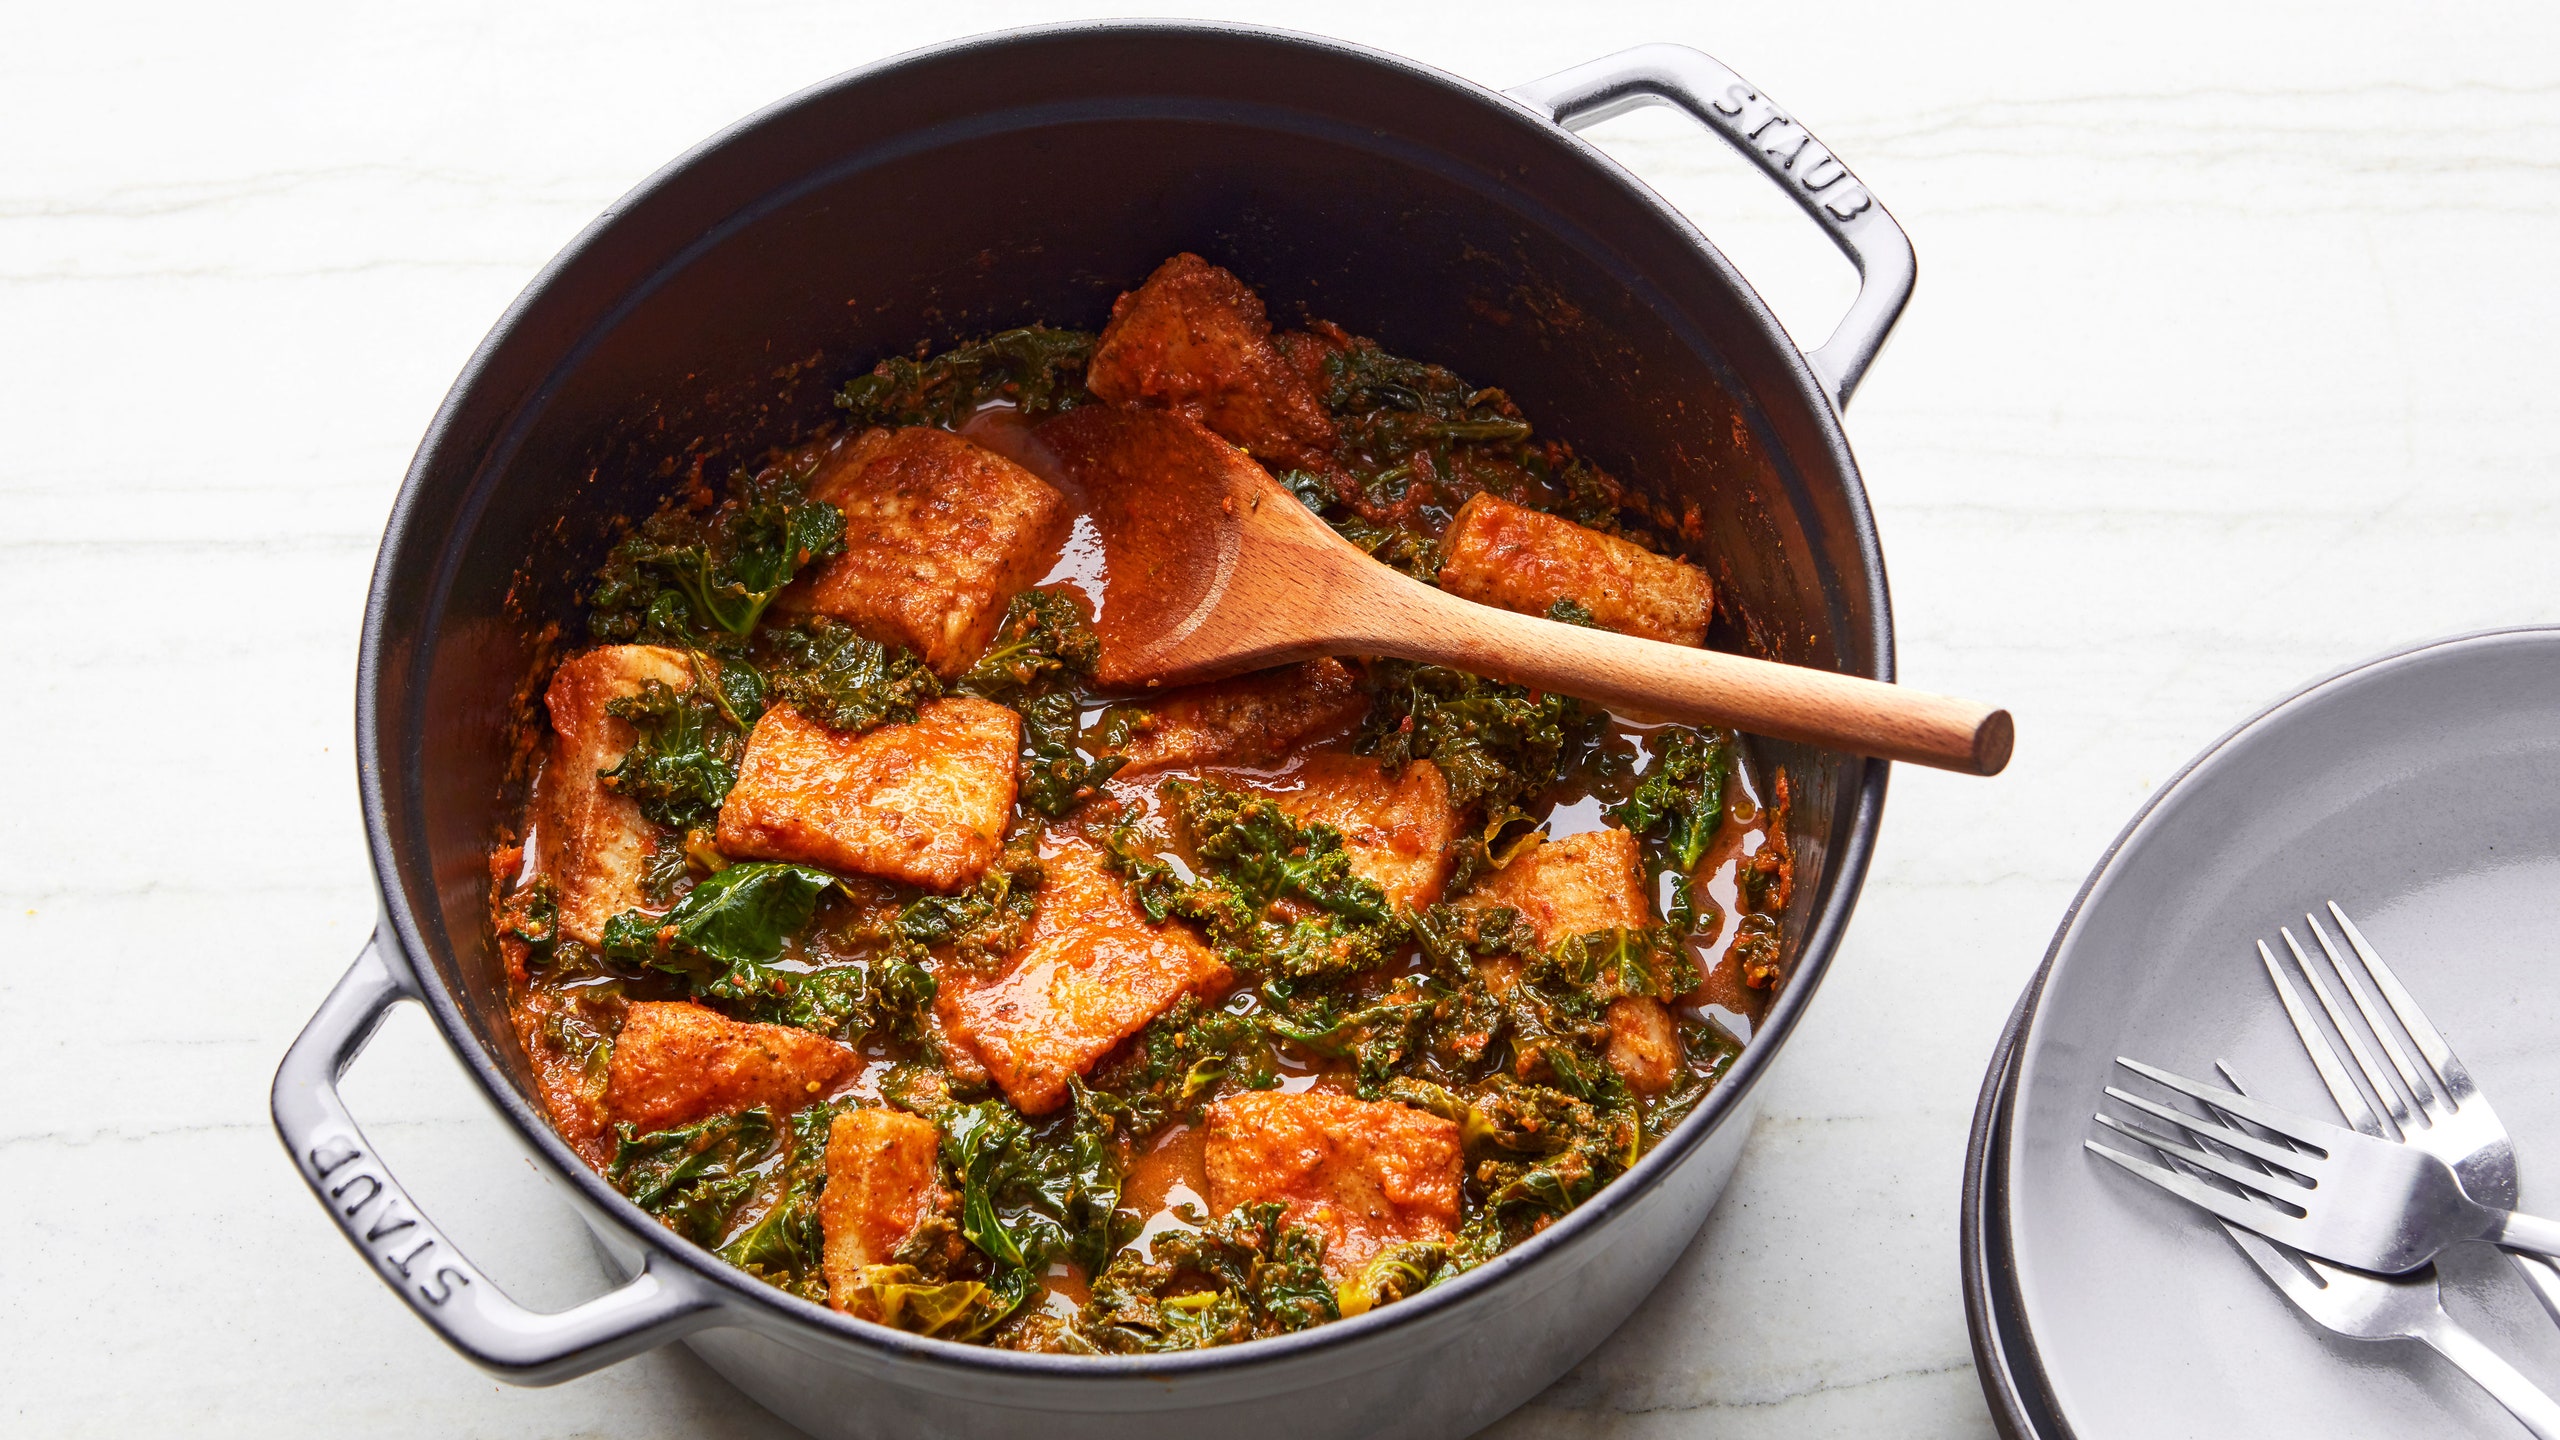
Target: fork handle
<point x="2519" y="1231"/>
<point x="2504" y="1382"/>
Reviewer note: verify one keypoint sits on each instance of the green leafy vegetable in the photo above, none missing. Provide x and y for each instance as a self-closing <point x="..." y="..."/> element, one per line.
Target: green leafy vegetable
<point x="1039" y="369"/>
<point x="1500" y="745"/>
<point x="1622" y="962"/>
<point x="1392" y="1274"/>
<point x="1043" y="640"/>
<point x="829" y="672"/>
<point x="1040" y="651"/>
<point x="691" y="572"/>
<point x="696" y="1176"/>
<point x="686" y="758"/>
<point x="1573" y="612"/>
<point x="899" y="1296"/>
<point x="1678" y="805"/>
<point x="1258" y="874"/>
<point x="785" y="1246"/>
<point x="1266" y="1279"/>
<point x="981" y="926"/>
<point x="726" y="934"/>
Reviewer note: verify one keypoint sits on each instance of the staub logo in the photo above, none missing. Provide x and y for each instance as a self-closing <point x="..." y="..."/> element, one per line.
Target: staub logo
<point x="396" y="1240"/>
<point x="1799" y="156"/>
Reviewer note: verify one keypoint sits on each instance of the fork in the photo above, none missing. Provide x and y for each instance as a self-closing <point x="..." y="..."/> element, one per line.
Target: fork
<point x="2452" y="1120"/>
<point x="2352" y="1199"/>
<point x="2400" y="1307"/>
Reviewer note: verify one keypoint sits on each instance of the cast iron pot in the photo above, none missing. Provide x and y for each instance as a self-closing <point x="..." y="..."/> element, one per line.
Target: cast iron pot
<point x="1031" y="176"/>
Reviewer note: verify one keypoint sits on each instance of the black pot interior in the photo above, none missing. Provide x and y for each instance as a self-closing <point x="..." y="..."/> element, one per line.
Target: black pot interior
<point x="1028" y="178"/>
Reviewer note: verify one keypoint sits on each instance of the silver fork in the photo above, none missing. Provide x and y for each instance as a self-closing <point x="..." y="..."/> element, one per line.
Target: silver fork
<point x="2399" y="1307"/>
<point x="2356" y="1200"/>
<point x="2447" y="1116"/>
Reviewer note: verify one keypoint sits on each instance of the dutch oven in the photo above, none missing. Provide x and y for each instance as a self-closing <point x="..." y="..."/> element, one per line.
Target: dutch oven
<point x="1030" y="176"/>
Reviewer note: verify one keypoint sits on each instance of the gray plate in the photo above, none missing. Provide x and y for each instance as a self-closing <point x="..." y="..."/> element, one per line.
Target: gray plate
<point x="2421" y="791"/>
<point x="2003" y="1358"/>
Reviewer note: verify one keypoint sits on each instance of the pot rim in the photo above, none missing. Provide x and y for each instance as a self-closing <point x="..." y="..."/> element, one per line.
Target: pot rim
<point x="739" y="1292"/>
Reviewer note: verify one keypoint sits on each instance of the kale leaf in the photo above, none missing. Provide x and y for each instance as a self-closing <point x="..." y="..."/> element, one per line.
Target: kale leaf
<point x="829" y="672"/>
<point x="1268" y="1279"/>
<point x="727" y="933"/>
<point x="1615" y="963"/>
<point x="686" y="758"/>
<point x="1677" y="806"/>
<point x="696" y="1176"/>
<point x="1040" y="650"/>
<point x="981" y="926"/>
<point x="1030" y="1194"/>
<point x="1276" y="897"/>
<point x="785" y="1246"/>
<point x="689" y="572"/>
<point x="1256" y="847"/>
<point x="901" y="1297"/>
<point x="1039" y="369"/>
<point x="1499" y="745"/>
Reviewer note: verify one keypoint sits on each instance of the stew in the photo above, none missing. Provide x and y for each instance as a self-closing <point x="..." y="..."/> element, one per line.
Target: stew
<point x="857" y="935"/>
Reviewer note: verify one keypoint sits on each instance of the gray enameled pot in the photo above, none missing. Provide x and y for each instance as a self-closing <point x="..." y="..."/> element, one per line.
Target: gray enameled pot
<point x="1031" y="176"/>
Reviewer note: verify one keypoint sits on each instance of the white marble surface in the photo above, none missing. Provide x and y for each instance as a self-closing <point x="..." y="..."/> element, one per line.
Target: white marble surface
<point x="2230" y="363"/>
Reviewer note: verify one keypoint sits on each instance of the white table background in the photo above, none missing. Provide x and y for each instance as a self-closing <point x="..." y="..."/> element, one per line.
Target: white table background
<point x="2230" y="364"/>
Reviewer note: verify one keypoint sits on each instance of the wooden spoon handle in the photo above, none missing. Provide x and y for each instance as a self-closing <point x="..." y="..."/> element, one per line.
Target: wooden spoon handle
<point x="1788" y="702"/>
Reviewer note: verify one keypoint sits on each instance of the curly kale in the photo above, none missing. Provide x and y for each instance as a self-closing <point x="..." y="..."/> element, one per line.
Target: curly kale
<point x="726" y="934"/>
<point x="1039" y="369"/>
<point x="983" y="925"/>
<point x="1611" y="964"/>
<point x="1043" y="647"/>
<point x="1499" y="745"/>
<point x="1265" y="1279"/>
<point x="1276" y="897"/>
<point x="690" y="573"/>
<point x="741" y="1184"/>
<point x="785" y="1246"/>
<point x="829" y="672"/>
<point x="1677" y="806"/>
<point x="695" y="1177"/>
<point x="686" y="757"/>
<point x="1176" y="1063"/>
<point x="1031" y="1193"/>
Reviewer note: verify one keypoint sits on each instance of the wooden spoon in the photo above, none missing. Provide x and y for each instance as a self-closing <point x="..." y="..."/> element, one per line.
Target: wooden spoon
<point x="1212" y="569"/>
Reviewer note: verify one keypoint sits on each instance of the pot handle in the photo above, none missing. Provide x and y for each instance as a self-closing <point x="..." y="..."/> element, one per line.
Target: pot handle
<point x="447" y="1291"/>
<point x="1784" y="150"/>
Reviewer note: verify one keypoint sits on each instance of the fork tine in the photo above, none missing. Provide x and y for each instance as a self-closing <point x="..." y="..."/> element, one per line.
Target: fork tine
<point x="2431" y="1099"/>
<point x="2249" y="1214"/>
<point x="2324" y="1056"/>
<point x="2278" y="1265"/>
<point x="2237" y="1139"/>
<point x="2373" y="1076"/>
<point x="2414" y="1020"/>
<point x="2319" y="1135"/>
<point x="2257" y="1182"/>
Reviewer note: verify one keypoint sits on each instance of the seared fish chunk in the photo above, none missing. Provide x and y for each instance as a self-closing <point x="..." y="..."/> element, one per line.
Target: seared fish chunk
<point x="592" y="842"/>
<point x="1248" y="720"/>
<point x="1502" y="554"/>
<point x="1194" y="339"/>
<point x="1091" y="973"/>
<point x="677" y="1062"/>
<point x="939" y="535"/>
<point x="1366" y="1174"/>
<point x="1574" y="886"/>
<point x="1644" y="1043"/>
<point x="881" y="1180"/>
<point x="1398" y="831"/>
<point x="925" y="803"/>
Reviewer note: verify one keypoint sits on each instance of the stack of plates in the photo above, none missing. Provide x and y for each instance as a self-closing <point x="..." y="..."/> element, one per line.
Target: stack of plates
<point x="2421" y="791"/>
